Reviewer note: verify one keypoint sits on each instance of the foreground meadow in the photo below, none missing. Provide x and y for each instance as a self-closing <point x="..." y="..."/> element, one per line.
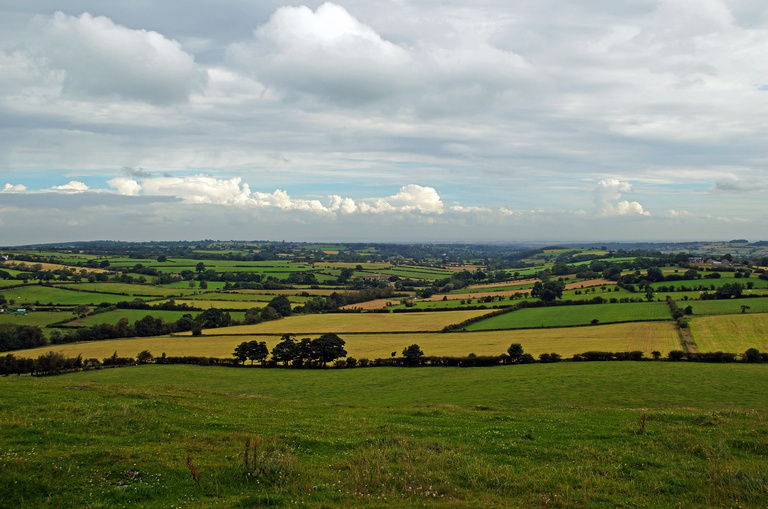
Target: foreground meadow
<point x="649" y="434"/>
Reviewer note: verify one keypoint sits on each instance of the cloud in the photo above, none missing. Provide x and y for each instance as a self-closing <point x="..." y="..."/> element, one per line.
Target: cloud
<point x="326" y="52"/>
<point x="73" y="186"/>
<point x="199" y="189"/>
<point x="734" y="184"/>
<point x="135" y="172"/>
<point x="125" y="186"/>
<point x="10" y="188"/>
<point x="100" y="58"/>
<point x="410" y="198"/>
<point x="607" y="194"/>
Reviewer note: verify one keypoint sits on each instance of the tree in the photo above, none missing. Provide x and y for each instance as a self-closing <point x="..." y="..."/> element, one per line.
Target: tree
<point x="413" y="355"/>
<point x="144" y="357"/>
<point x="257" y="351"/>
<point x="200" y="267"/>
<point x="548" y="290"/>
<point x="515" y="351"/>
<point x="162" y="258"/>
<point x="241" y="352"/>
<point x="328" y="348"/>
<point x="285" y="350"/>
<point x="281" y="304"/>
<point x="649" y="293"/>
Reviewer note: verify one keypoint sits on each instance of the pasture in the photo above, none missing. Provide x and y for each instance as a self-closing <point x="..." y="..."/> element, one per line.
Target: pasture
<point x="730" y="333"/>
<point x="563" y="435"/>
<point x="41" y="295"/>
<point x="560" y="316"/>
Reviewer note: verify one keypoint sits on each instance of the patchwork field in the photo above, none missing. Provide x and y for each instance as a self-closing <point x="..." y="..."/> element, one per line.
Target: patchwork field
<point x="731" y="333"/>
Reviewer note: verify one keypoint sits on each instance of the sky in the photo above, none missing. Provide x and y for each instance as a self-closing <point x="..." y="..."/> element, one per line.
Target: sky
<point x="383" y="120"/>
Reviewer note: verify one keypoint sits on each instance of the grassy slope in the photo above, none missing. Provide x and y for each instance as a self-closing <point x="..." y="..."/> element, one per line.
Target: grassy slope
<point x="562" y="435"/>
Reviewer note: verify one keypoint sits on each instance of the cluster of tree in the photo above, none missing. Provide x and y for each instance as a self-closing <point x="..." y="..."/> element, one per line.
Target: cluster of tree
<point x="306" y="352"/>
<point x="18" y="337"/>
<point x="725" y="291"/>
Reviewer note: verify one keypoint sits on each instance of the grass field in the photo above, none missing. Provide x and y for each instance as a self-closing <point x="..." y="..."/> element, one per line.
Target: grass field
<point x="726" y="306"/>
<point x="130" y="290"/>
<point x="575" y="315"/>
<point x="38" y="318"/>
<point x="731" y="333"/>
<point x="564" y="435"/>
<point x="356" y="322"/>
<point x="646" y="337"/>
<point x="34" y="294"/>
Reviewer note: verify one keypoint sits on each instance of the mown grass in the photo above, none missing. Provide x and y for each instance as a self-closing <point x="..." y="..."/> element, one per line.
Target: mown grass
<point x="42" y="294"/>
<point x="575" y="315"/>
<point x="726" y="306"/>
<point x="564" y="435"/>
<point x="645" y="337"/>
<point x="38" y="318"/>
<point x="129" y="289"/>
<point x="730" y="333"/>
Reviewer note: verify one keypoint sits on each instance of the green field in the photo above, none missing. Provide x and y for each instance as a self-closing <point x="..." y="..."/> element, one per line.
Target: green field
<point x="43" y="295"/>
<point x="561" y="316"/>
<point x="726" y="306"/>
<point x="564" y="435"/>
<point x="731" y="333"/>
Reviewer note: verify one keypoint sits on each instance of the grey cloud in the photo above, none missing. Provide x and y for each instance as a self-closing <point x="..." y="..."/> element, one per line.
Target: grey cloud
<point x="100" y="58"/>
<point x="135" y="172"/>
<point x="733" y="184"/>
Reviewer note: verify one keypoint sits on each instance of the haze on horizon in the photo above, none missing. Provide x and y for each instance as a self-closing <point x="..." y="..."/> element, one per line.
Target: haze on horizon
<point x="394" y="120"/>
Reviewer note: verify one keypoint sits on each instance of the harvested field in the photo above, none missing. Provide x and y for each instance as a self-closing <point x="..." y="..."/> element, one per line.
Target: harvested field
<point x="731" y="333"/>
<point x="646" y="337"/>
<point x="354" y="322"/>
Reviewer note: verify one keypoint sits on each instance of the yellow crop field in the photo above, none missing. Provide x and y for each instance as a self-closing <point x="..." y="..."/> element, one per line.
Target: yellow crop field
<point x="646" y="337"/>
<point x="731" y="333"/>
<point x="354" y="322"/>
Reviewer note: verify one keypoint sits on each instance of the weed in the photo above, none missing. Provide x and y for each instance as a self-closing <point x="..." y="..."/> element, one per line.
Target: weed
<point x="194" y="471"/>
<point x="266" y="464"/>
<point x="641" y="424"/>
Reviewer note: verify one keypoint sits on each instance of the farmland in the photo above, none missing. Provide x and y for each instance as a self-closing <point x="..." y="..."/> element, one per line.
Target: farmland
<point x="538" y="433"/>
<point x="645" y="337"/>
<point x="566" y="435"/>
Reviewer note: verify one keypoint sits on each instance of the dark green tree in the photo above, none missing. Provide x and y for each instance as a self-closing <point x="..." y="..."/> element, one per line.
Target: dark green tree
<point x="515" y="352"/>
<point x="241" y="352"/>
<point x="327" y="348"/>
<point x="413" y="355"/>
<point x="281" y="304"/>
<point x="285" y="350"/>
<point x="257" y="351"/>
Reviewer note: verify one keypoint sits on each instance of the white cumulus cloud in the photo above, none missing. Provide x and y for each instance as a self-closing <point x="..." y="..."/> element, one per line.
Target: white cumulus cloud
<point x="607" y="194"/>
<point x="101" y="58"/>
<point x="10" y="188"/>
<point x="73" y="186"/>
<point x="125" y="186"/>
